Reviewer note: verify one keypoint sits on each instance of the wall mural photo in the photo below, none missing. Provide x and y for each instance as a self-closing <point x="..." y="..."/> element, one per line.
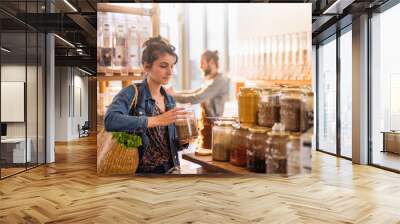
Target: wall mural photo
<point x="209" y="89"/>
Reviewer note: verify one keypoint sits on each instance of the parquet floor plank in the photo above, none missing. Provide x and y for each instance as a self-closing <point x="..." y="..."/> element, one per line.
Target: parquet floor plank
<point x="69" y="191"/>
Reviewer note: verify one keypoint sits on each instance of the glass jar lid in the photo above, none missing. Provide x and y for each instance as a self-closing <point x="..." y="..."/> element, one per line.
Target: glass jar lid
<point x="242" y="126"/>
<point x="224" y="123"/>
<point x="248" y="89"/>
<point x="291" y="90"/>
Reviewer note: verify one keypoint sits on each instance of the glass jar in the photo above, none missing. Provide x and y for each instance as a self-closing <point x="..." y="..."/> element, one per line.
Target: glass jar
<point x="290" y="109"/>
<point x="186" y="126"/>
<point x="120" y="47"/>
<point x="133" y="52"/>
<point x="275" y="153"/>
<point x="293" y="155"/>
<point x="256" y="149"/>
<point x="221" y="140"/>
<point x="106" y="41"/>
<point x="248" y="99"/>
<point x="239" y="145"/>
<point x="307" y="111"/>
<point x="269" y="107"/>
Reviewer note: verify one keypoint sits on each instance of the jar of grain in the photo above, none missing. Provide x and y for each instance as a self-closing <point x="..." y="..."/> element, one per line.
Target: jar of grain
<point x="221" y="140"/>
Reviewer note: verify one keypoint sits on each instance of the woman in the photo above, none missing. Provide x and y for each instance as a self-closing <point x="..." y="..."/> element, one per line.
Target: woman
<point x="155" y="113"/>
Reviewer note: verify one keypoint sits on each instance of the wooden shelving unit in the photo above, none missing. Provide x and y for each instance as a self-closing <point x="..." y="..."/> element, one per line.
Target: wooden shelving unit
<point x="127" y="74"/>
<point x="283" y="82"/>
<point x="108" y="74"/>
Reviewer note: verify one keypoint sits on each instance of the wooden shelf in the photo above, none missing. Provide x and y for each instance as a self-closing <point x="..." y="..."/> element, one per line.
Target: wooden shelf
<point x="106" y="7"/>
<point x="283" y="82"/>
<point x="101" y="76"/>
<point x="107" y="73"/>
<point x="207" y="163"/>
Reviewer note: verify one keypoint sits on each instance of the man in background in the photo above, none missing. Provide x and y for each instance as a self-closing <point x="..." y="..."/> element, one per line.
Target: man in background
<point x="212" y="95"/>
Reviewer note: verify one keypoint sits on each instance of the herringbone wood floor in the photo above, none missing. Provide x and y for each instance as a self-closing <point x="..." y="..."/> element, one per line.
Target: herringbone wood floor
<point x="70" y="192"/>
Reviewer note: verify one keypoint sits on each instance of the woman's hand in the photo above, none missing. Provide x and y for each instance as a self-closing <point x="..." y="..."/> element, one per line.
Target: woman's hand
<point x="165" y="118"/>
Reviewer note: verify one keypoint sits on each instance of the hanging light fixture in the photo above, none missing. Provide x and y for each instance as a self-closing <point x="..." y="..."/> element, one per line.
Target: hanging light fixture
<point x="70" y="5"/>
<point x="5" y="50"/>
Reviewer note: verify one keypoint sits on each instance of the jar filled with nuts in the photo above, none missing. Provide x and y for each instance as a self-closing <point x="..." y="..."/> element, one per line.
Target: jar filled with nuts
<point x="291" y="109"/>
<point x="256" y="150"/>
<point x="269" y="107"/>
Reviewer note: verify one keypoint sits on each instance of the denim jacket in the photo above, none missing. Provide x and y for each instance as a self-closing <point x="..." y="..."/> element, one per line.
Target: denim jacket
<point x="120" y="117"/>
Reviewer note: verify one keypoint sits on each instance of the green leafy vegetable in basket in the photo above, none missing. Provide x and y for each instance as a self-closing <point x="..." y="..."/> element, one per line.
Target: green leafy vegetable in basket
<point x="127" y="140"/>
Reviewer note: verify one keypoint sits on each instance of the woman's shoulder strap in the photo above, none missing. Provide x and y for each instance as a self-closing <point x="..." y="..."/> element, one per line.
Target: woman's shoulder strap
<point x="136" y="87"/>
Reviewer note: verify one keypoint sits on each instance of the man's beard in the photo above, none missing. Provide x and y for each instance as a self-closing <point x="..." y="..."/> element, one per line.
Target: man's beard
<point x="207" y="71"/>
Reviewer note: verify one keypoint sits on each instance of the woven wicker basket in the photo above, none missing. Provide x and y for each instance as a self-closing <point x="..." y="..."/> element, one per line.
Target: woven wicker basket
<point x="112" y="158"/>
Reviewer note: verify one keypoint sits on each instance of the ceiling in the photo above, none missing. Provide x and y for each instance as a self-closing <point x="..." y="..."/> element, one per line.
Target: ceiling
<point x="332" y="15"/>
<point x="72" y="20"/>
<point x="75" y="21"/>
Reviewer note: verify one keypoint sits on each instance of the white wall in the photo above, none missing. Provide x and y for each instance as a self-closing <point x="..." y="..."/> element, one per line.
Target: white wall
<point x="17" y="73"/>
<point x="34" y="125"/>
<point x="271" y="19"/>
<point x="14" y="73"/>
<point x="61" y="103"/>
<point x="71" y="93"/>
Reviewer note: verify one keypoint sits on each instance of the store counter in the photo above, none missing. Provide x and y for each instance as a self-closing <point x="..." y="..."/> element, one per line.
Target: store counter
<point x="209" y="164"/>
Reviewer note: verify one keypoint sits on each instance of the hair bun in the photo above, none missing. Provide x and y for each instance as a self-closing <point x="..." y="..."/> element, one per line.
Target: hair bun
<point x="154" y="47"/>
<point x="158" y="40"/>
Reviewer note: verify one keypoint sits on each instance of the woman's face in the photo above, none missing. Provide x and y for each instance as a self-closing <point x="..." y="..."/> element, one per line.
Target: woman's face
<point x="205" y="66"/>
<point x="161" y="70"/>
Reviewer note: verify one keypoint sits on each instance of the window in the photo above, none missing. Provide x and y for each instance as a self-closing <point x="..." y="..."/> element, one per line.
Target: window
<point x="346" y="93"/>
<point x="327" y="96"/>
<point x="385" y="87"/>
<point x="22" y="74"/>
<point x="170" y="29"/>
<point x="196" y="42"/>
<point x="215" y="31"/>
